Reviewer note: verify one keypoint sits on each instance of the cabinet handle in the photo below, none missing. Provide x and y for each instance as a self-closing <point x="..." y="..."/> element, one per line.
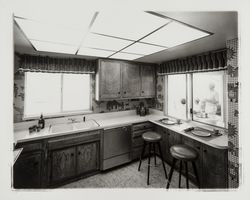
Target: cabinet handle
<point x="79" y="153"/>
<point x="204" y="150"/>
<point x="72" y="154"/>
<point x="142" y="91"/>
<point x="125" y="92"/>
<point x="124" y="128"/>
<point x="198" y="148"/>
<point x="119" y="93"/>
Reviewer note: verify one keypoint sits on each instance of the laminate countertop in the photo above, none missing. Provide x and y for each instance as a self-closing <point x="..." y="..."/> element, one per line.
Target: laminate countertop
<point x="107" y="121"/>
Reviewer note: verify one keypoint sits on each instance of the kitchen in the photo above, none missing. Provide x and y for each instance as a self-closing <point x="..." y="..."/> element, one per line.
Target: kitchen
<point x="134" y="83"/>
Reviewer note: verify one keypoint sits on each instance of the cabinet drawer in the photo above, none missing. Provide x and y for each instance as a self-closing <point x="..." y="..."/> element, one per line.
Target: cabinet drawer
<point x="141" y="126"/>
<point x="73" y="139"/>
<point x="137" y="141"/>
<point x="27" y="147"/>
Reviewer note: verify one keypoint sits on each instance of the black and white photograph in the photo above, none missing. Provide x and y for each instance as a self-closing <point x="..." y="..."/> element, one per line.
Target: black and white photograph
<point x="123" y="100"/>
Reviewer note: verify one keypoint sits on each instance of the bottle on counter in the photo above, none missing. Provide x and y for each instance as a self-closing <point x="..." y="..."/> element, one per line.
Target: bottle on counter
<point x="41" y="122"/>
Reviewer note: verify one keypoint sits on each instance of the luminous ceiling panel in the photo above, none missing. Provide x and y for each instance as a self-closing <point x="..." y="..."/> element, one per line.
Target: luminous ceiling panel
<point x="79" y="19"/>
<point x="128" y="25"/>
<point x="104" y="42"/>
<point x="174" y="34"/>
<point x="49" y="32"/>
<point x="126" y="56"/>
<point x="145" y="49"/>
<point x="94" y="52"/>
<point x="53" y="47"/>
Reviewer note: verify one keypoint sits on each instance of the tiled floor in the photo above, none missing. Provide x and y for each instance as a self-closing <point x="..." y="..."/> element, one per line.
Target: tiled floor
<point x="128" y="176"/>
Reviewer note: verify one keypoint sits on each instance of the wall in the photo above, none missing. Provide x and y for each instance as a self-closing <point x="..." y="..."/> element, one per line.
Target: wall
<point x="97" y="107"/>
<point x="233" y="113"/>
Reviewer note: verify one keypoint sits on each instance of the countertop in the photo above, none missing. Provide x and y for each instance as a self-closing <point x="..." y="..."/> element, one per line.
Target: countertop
<point x="108" y="120"/>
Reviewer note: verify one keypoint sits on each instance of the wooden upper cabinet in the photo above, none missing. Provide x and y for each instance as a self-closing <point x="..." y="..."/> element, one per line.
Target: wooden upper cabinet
<point x="147" y="81"/>
<point x="110" y="84"/>
<point x="124" y="80"/>
<point x="130" y="80"/>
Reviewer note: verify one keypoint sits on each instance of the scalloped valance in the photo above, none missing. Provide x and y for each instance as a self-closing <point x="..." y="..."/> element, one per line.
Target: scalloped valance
<point x="209" y="61"/>
<point x="48" y="64"/>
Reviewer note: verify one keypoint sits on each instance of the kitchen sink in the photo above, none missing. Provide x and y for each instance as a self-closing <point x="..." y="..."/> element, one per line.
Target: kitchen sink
<point x="86" y="125"/>
<point x="60" y="128"/>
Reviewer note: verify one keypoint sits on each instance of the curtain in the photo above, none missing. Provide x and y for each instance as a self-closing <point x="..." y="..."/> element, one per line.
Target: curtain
<point x="48" y="64"/>
<point x="209" y="61"/>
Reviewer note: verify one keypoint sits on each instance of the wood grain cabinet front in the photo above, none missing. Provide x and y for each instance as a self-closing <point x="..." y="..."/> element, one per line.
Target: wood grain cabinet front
<point x="73" y="157"/>
<point x="124" y="80"/>
<point x="27" y="170"/>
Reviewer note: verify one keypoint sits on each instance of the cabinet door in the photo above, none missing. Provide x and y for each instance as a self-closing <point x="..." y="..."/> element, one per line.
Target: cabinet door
<point x="198" y="147"/>
<point x="214" y="168"/>
<point x="171" y="139"/>
<point x="130" y="80"/>
<point x="88" y="157"/>
<point x="62" y="164"/>
<point x="110" y="80"/>
<point x="27" y="170"/>
<point x="147" y="81"/>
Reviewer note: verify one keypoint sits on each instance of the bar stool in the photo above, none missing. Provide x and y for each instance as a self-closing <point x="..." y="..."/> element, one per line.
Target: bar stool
<point x="183" y="153"/>
<point x="151" y="138"/>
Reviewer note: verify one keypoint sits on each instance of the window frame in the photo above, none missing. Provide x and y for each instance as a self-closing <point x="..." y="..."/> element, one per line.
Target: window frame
<point x="61" y="113"/>
<point x="189" y="98"/>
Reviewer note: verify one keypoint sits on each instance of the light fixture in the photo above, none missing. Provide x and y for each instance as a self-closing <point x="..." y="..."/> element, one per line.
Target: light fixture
<point x="127" y="24"/>
<point x="49" y="32"/>
<point x="141" y="48"/>
<point x="126" y="56"/>
<point x="104" y="42"/>
<point x="79" y="19"/>
<point x="174" y="34"/>
<point x="54" y="47"/>
<point x="94" y="52"/>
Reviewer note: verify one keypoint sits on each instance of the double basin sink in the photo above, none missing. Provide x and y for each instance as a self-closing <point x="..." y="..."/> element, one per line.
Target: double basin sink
<point x="75" y="126"/>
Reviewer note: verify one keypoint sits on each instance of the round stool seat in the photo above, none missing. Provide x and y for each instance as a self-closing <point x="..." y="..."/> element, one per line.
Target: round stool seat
<point x="183" y="152"/>
<point x="151" y="136"/>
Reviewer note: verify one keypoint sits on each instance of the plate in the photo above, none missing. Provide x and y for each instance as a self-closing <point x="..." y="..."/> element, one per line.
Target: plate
<point x="167" y="122"/>
<point x="201" y="133"/>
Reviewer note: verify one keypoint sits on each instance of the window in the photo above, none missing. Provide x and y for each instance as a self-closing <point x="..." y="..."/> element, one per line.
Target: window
<point x="200" y="92"/>
<point x="55" y="93"/>
<point x="208" y="106"/>
<point x="177" y="96"/>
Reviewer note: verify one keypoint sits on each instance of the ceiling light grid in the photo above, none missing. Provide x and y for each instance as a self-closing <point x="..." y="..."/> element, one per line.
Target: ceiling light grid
<point x="119" y="35"/>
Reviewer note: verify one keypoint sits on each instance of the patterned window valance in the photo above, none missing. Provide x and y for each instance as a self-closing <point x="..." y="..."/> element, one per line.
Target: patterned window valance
<point x="56" y="65"/>
<point x="209" y="61"/>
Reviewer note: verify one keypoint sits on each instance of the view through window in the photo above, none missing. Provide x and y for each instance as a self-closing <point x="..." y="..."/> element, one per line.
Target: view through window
<point x="55" y="93"/>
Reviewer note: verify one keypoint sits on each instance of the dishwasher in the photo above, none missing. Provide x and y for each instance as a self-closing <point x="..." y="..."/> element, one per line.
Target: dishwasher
<point x="116" y="147"/>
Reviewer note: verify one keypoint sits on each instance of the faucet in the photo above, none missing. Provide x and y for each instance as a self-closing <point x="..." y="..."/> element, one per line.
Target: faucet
<point x="73" y="120"/>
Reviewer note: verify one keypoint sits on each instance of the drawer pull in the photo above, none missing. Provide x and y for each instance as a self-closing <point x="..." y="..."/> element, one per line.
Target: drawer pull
<point x="72" y="154"/>
<point x="79" y="153"/>
<point x="204" y="150"/>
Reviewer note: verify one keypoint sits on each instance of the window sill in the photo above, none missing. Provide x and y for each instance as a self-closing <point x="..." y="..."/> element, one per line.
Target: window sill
<point x="50" y="116"/>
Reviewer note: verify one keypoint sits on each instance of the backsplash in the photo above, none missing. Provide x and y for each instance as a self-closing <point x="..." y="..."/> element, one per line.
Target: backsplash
<point x="97" y="107"/>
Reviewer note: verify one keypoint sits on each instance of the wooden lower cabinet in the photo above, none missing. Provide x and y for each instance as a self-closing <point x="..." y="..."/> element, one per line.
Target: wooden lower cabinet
<point x="215" y="162"/>
<point x="87" y="158"/>
<point x="63" y="164"/>
<point x="27" y="170"/>
<point x="212" y="163"/>
<point x="137" y="141"/>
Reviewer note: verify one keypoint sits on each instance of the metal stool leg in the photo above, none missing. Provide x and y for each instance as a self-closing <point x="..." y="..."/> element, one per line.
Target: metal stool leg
<point x="149" y="162"/>
<point x="154" y="153"/>
<point x="142" y="153"/>
<point x="171" y="172"/>
<point x="180" y="174"/>
<point x="196" y="174"/>
<point x="186" y="166"/>
<point x="159" y="146"/>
